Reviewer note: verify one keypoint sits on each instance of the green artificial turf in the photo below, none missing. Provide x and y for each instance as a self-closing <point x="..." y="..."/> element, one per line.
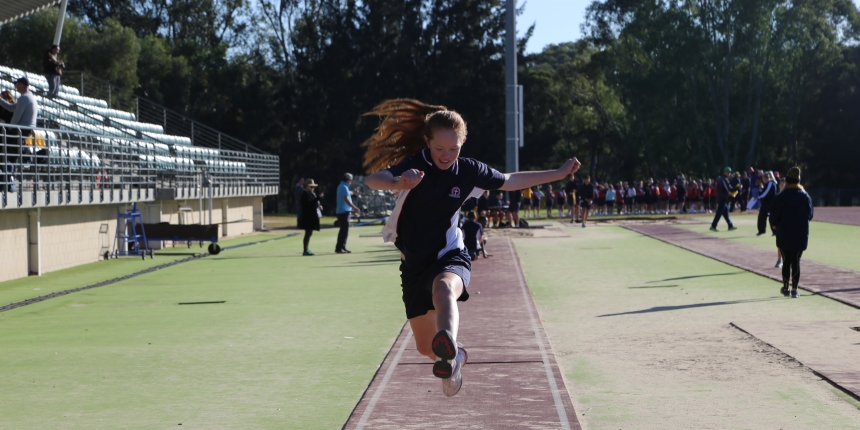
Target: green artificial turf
<point x="833" y="244"/>
<point x="641" y="332"/>
<point x="88" y="274"/>
<point x="294" y="345"/>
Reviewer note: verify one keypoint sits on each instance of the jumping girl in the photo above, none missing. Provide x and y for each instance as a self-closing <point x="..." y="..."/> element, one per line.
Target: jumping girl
<point x="416" y="150"/>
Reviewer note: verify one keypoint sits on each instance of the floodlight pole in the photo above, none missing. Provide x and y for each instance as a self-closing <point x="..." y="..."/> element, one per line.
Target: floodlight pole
<point x="62" y="17"/>
<point x="512" y="162"/>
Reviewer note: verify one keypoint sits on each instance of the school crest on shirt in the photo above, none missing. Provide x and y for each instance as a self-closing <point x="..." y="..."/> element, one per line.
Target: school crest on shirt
<point x="455" y="193"/>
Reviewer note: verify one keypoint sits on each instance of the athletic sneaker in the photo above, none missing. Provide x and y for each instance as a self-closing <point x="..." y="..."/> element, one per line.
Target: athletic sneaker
<point x="451" y="386"/>
<point x="759" y="234"/>
<point x="308" y="252"/>
<point x="713" y="229"/>
<point x="784" y="290"/>
<point x="732" y="228"/>
<point x="794" y="294"/>
<point x="778" y="264"/>
<point x="445" y="349"/>
<point x="583" y="225"/>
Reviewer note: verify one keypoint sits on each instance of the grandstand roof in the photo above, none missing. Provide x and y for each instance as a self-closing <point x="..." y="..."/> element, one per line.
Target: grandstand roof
<point x="11" y="10"/>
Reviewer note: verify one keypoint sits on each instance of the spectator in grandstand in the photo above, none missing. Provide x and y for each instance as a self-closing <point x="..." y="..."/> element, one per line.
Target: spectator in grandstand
<point x="24" y="113"/>
<point x="473" y="235"/>
<point x="298" y="190"/>
<point x="311" y="213"/>
<point x="790" y="215"/>
<point x="765" y="198"/>
<point x="5" y="115"/>
<point x="345" y="209"/>
<point x="26" y="110"/>
<point x="724" y="191"/>
<point x="53" y="69"/>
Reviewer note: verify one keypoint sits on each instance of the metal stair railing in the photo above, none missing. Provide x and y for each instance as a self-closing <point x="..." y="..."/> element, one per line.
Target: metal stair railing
<point x="148" y="111"/>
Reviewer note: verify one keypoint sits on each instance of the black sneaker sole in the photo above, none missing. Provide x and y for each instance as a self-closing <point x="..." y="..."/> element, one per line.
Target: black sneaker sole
<point x="445" y="349"/>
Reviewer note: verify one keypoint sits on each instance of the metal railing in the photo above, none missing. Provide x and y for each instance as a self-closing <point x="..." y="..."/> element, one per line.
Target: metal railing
<point x="147" y="111"/>
<point x="46" y="167"/>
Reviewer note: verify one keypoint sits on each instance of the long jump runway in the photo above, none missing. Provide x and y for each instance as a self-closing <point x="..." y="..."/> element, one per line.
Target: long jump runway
<point x="511" y="381"/>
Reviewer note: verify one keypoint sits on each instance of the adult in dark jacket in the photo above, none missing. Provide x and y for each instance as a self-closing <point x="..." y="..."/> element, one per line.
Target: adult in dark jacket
<point x="53" y="69"/>
<point x="723" y="189"/>
<point x="766" y="197"/>
<point x="790" y="216"/>
<point x="310" y="220"/>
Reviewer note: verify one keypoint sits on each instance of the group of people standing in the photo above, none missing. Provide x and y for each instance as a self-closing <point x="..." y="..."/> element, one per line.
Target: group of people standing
<point x="309" y="211"/>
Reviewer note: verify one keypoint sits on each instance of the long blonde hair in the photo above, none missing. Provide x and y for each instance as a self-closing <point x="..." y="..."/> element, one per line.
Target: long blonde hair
<point x="405" y="123"/>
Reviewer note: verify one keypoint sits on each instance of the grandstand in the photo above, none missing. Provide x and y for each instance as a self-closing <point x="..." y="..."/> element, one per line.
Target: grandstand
<point x="87" y="161"/>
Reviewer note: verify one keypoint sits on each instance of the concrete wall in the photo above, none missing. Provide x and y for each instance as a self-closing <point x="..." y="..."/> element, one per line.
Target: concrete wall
<point x="13" y="245"/>
<point x="36" y="241"/>
<point x="71" y="236"/>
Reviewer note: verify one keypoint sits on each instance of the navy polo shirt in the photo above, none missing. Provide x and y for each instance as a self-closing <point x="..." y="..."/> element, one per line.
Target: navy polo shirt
<point x="423" y="225"/>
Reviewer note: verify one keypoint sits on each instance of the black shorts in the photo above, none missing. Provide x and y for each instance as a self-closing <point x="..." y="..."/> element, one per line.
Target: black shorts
<point x="417" y="280"/>
<point x="569" y="201"/>
<point x="514" y="208"/>
<point x="586" y="204"/>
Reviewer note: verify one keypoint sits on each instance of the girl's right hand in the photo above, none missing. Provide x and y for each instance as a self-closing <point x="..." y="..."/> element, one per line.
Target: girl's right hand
<point x="408" y="180"/>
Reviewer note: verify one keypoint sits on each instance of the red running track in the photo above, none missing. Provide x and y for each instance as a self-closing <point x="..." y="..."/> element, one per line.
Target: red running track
<point x="512" y="379"/>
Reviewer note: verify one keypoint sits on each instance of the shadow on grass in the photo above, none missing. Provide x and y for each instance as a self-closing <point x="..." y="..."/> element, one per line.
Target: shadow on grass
<point x="697" y="276"/>
<point x="690" y="306"/>
<point x="655" y="286"/>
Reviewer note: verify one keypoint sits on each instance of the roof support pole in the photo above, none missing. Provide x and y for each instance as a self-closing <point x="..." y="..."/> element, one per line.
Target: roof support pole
<point x="512" y="161"/>
<point x="60" y="19"/>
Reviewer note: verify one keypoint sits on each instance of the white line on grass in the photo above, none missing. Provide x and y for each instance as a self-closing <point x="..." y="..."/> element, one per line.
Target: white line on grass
<point x="366" y="415"/>
<point x="556" y="397"/>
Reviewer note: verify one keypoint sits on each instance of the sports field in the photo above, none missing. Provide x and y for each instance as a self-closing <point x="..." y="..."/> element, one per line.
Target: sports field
<point x="640" y="330"/>
<point x="833" y="244"/>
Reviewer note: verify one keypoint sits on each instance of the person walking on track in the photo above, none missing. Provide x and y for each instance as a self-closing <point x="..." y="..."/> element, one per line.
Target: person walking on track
<point x="724" y="190"/>
<point x="416" y="151"/>
<point x="790" y="216"/>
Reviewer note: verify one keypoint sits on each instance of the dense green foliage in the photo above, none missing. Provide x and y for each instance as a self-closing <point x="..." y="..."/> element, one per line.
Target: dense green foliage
<point x="655" y="88"/>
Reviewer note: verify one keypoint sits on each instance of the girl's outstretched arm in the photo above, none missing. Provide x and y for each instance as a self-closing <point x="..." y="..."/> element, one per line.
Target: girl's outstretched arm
<point x="522" y="180"/>
<point x="384" y="180"/>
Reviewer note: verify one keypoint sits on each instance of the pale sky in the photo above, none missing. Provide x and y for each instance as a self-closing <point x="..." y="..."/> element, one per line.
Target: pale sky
<point x="557" y="21"/>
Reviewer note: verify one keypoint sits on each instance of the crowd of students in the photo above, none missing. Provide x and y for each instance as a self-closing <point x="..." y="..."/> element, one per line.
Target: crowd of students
<point x="578" y="198"/>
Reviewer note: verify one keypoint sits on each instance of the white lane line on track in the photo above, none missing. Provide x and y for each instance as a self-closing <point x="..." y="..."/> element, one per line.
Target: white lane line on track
<point x="556" y="396"/>
<point x="390" y="371"/>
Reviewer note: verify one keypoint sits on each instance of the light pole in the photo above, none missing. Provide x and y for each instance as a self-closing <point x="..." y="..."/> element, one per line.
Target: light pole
<point x="512" y="161"/>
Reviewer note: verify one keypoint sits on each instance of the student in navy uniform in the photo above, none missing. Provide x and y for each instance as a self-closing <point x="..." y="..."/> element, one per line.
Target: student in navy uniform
<point x="416" y="150"/>
<point x="790" y="216"/>
<point x="586" y="196"/>
<point x="473" y="235"/>
<point x="513" y="214"/>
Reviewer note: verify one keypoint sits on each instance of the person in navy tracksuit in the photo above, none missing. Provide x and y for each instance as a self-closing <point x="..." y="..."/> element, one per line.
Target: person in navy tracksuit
<point x="790" y="215"/>
<point x="416" y="151"/>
